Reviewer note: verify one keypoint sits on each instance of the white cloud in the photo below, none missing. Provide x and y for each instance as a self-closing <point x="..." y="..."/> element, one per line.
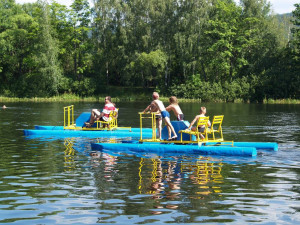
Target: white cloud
<point x="282" y="6"/>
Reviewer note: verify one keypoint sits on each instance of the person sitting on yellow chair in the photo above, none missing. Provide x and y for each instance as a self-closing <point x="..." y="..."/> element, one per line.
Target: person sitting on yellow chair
<point x="197" y="117"/>
<point x="104" y="115"/>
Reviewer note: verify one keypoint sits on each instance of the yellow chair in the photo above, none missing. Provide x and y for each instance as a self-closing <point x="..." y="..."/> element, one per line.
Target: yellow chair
<point x="216" y="127"/>
<point x="203" y="121"/>
<point x="112" y="121"/>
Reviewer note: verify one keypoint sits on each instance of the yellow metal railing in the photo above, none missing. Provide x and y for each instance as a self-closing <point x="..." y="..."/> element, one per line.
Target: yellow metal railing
<point x="69" y="117"/>
<point x="152" y="117"/>
<point x="112" y="122"/>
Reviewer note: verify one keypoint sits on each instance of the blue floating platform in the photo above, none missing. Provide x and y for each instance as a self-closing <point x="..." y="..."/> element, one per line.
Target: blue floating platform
<point x="146" y="130"/>
<point x="86" y="133"/>
<point x="160" y="148"/>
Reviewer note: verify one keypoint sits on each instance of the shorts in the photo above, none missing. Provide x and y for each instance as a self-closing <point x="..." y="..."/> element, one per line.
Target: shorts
<point x="180" y="117"/>
<point x="201" y="129"/>
<point x="103" y="119"/>
<point x="158" y="116"/>
<point x="97" y="112"/>
<point x="165" y="114"/>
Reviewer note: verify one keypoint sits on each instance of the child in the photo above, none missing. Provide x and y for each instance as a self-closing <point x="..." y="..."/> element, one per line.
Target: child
<point x="164" y="114"/>
<point x="175" y="108"/>
<point x="201" y="129"/>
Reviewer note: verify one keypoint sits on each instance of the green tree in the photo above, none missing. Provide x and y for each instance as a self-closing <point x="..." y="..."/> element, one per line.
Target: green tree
<point x="17" y="38"/>
<point x="49" y="70"/>
<point x="150" y="67"/>
<point x="80" y="19"/>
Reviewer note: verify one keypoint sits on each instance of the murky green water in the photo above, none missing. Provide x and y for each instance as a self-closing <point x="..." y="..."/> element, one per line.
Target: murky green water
<point x="62" y="181"/>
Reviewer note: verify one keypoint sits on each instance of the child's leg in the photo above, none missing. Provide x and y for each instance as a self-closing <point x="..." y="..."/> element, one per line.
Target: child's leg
<point x="159" y="128"/>
<point x="169" y="132"/>
<point x="167" y="120"/>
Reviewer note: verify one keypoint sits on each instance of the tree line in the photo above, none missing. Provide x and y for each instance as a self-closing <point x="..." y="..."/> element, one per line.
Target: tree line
<point x="204" y="49"/>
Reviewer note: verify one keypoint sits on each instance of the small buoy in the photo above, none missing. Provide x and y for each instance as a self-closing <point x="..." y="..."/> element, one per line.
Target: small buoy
<point x="4" y="107"/>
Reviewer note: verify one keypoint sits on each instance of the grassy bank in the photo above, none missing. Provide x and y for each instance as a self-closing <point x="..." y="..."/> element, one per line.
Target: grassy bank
<point x="281" y="101"/>
<point x="76" y="98"/>
<point x="126" y="98"/>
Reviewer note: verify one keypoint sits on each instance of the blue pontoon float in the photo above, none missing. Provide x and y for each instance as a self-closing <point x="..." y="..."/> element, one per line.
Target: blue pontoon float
<point x="77" y="128"/>
<point x="188" y="141"/>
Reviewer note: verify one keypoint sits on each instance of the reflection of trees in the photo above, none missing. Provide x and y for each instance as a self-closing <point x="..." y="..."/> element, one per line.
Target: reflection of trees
<point x="193" y="187"/>
<point x="46" y="171"/>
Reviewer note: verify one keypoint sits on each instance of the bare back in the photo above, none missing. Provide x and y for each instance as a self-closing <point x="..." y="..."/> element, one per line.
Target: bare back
<point x="175" y="108"/>
<point x="160" y="105"/>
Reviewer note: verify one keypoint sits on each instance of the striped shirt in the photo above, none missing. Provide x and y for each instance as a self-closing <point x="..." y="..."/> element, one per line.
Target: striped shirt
<point x="107" y="109"/>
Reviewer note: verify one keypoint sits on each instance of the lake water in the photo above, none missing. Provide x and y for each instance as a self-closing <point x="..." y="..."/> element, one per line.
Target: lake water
<point x="62" y="181"/>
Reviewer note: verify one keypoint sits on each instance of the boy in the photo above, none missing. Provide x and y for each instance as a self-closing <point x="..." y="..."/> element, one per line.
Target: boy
<point x="164" y="114"/>
<point x="201" y="129"/>
<point x="175" y="108"/>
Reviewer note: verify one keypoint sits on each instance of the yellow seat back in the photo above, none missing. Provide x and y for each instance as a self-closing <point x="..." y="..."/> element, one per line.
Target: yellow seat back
<point x="203" y="122"/>
<point x="217" y="121"/>
<point x="112" y="120"/>
<point x="216" y="127"/>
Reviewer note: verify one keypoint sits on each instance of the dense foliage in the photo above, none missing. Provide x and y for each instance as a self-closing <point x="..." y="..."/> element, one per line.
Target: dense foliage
<point x="214" y="50"/>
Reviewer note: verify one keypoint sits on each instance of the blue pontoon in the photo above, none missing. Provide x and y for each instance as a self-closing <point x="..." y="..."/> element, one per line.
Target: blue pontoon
<point x="188" y="141"/>
<point x="77" y="128"/>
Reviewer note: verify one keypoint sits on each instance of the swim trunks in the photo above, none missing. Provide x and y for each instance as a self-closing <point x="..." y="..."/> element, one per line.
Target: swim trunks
<point x="165" y="114"/>
<point x="180" y="117"/>
<point x="158" y="116"/>
<point x="201" y="129"/>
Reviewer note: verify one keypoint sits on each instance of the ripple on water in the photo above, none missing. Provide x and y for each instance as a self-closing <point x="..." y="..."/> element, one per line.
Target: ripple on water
<point x="58" y="181"/>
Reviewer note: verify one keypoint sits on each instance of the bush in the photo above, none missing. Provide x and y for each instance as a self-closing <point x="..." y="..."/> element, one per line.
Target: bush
<point x="194" y="88"/>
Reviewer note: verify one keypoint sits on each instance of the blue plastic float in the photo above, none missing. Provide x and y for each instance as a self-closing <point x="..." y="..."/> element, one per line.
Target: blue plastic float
<point x="186" y="144"/>
<point x="238" y="149"/>
<point x="77" y="128"/>
<point x="176" y="148"/>
<point x="147" y="138"/>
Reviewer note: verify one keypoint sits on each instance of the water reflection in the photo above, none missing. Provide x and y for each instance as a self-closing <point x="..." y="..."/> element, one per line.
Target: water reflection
<point x="160" y="180"/>
<point x="69" y="154"/>
<point x="61" y="181"/>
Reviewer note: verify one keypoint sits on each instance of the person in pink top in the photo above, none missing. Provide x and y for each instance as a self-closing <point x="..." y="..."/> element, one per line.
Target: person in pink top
<point x="102" y="116"/>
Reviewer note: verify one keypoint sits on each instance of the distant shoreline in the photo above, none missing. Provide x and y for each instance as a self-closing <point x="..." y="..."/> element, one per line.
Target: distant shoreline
<point x="75" y="98"/>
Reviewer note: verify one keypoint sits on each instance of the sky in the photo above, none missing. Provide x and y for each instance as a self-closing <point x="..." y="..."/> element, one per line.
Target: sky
<point x="278" y="6"/>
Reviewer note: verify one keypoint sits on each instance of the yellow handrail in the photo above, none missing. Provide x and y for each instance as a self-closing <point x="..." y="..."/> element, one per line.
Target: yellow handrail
<point x="153" y="124"/>
<point x="69" y="116"/>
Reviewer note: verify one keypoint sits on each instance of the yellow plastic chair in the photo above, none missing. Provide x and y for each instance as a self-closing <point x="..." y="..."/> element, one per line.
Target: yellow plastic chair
<point x="112" y="120"/>
<point x="216" y="127"/>
<point x="203" y="121"/>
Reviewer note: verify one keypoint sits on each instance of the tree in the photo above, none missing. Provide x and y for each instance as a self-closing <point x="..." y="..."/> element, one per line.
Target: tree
<point x="49" y="70"/>
<point x="18" y="35"/>
<point x="151" y="67"/>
